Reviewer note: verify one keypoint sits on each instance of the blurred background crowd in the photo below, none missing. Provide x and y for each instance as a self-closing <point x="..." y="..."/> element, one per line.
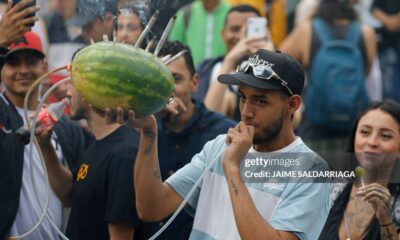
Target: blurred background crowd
<point x="212" y="32"/>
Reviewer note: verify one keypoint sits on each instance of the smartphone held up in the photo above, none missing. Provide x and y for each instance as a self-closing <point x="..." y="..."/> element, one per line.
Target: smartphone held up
<point x="31" y="4"/>
<point x="256" y="27"/>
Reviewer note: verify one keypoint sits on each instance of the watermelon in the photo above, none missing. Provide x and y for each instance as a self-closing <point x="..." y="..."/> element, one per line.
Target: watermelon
<point x="111" y="75"/>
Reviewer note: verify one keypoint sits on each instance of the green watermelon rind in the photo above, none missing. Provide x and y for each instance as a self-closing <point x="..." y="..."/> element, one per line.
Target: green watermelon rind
<point x="109" y="74"/>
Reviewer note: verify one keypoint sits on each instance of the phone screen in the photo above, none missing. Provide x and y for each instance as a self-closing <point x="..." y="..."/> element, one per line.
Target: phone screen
<point x="256" y="27"/>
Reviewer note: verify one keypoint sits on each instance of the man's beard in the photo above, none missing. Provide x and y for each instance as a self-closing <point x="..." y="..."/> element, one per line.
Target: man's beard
<point x="79" y="114"/>
<point x="269" y="133"/>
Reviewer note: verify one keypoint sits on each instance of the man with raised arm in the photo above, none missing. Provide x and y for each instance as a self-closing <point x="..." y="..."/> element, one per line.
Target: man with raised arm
<point x="228" y="205"/>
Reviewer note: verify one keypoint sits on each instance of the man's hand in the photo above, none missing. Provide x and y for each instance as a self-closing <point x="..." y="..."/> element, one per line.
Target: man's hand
<point x="14" y="22"/>
<point x="174" y="107"/>
<point x="144" y="122"/>
<point x="246" y="47"/>
<point x="256" y="44"/>
<point x="239" y="139"/>
<point x="43" y="135"/>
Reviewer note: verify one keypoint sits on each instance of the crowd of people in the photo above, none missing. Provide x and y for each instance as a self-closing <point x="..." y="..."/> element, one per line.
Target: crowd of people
<point x="324" y="79"/>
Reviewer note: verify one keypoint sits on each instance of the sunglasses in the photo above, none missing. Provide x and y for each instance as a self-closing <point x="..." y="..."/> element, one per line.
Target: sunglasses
<point x="263" y="72"/>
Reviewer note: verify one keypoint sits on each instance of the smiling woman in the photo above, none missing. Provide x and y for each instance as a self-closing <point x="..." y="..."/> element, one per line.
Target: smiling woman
<point x="366" y="209"/>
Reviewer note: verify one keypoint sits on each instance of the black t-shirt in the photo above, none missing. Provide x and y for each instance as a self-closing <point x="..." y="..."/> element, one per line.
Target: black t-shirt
<point x="103" y="186"/>
<point x="388" y="39"/>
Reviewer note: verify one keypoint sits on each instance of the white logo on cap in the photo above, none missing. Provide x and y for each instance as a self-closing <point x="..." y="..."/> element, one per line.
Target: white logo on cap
<point x="257" y="61"/>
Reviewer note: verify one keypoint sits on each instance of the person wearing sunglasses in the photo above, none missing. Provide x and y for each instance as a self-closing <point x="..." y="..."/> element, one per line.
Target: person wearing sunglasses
<point x="131" y="21"/>
<point x="229" y="203"/>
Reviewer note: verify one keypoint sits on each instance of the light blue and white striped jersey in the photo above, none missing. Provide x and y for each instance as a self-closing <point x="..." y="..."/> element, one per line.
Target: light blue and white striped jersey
<point x="298" y="207"/>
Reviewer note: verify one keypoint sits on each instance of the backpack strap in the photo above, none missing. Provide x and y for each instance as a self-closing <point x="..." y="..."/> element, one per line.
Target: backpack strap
<point x="354" y="32"/>
<point x="322" y="30"/>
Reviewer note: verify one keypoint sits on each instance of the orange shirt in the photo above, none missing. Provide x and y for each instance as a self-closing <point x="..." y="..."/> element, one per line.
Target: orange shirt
<point x="277" y="19"/>
<point x="259" y="4"/>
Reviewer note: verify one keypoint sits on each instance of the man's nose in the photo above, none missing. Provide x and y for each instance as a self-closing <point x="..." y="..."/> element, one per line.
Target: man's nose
<point x="247" y="112"/>
<point x="23" y="68"/>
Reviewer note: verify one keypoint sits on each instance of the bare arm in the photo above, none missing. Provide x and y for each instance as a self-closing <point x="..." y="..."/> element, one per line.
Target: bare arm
<point x="370" y="43"/>
<point x="120" y="231"/>
<point x="59" y="176"/>
<point x="297" y="44"/>
<point x="216" y="93"/>
<point x="155" y="200"/>
<point x="249" y="222"/>
<point x="391" y="22"/>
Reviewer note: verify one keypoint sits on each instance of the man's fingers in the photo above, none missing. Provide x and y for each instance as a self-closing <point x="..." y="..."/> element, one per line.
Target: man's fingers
<point x="131" y="115"/>
<point x="228" y="139"/>
<point x="174" y="107"/>
<point x="245" y="129"/>
<point x="236" y="135"/>
<point x="171" y="109"/>
<point x="27" y="21"/>
<point x="233" y="136"/>
<point x="251" y="131"/>
<point x="110" y="116"/>
<point x="26" y="12"/>
<point x="255" y="40"/>
<point x="120" y="115"/>
<point x="181" y="104"/>
<point x="19" y="6"/>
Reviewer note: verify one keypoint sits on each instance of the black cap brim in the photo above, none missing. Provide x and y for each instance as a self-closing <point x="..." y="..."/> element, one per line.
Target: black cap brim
<point x="14" y="51"/>
<point x="241" y="78"/>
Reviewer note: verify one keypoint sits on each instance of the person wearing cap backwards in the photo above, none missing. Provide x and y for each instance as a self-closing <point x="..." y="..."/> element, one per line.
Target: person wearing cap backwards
<point x="229" y="205"/>
<point x="20" y="210"/>
<point x="95" y="20"/>
<point x="131" y="21"/>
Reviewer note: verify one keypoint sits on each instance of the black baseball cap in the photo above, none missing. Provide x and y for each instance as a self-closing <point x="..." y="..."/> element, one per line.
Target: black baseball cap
<point x="285" y="66"/>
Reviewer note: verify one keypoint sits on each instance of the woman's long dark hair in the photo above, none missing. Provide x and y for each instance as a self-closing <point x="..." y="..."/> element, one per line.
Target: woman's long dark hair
<point x="392" y="108"/>
<point x="331" y="10"/>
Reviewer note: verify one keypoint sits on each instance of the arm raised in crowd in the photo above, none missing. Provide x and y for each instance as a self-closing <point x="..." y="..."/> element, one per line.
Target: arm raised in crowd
<point x="297" y="44"/>
<point x="155" y="200"/>
<point x="216" y="95"/>
<point x="15" y="21"/>
<point x="60" y="177"/>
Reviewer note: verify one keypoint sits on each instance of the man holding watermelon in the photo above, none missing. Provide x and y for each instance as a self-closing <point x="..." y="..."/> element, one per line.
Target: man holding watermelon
<point x="226" y="205"/>
<point x="183" y="130"/>
<point x="99" y="192"/>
